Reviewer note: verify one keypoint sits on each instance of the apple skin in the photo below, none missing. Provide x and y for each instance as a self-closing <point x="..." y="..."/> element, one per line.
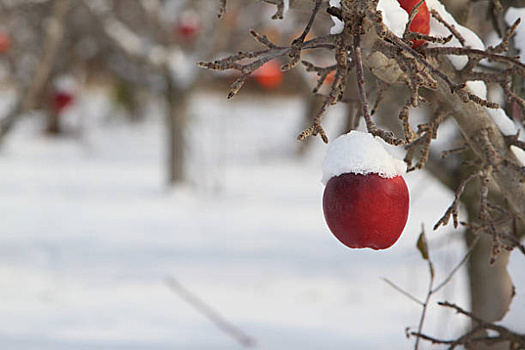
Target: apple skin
<point x="420" y="23"/>
<point x="188" y="30"/>
<point x="366" y="211"/>
<point x="5" y="42"/>
<point x="269" y="76"/>
<point x="61" y="100"/>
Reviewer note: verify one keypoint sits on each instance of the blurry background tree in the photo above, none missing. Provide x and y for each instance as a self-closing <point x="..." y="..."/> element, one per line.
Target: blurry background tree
<point x="146" y="47"/>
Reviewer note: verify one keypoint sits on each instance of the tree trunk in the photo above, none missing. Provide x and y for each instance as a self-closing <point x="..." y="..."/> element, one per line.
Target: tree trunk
<point x="53" y="123"/>
<point x="177" y="108"/>
<point x="491" y="288"/>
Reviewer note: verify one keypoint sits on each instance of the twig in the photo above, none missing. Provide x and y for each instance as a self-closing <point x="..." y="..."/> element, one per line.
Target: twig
<point x="462" y="51"/>
<point x="211" y="314"/>
<point x="459" y="149"/>
<point x="297" y="44"/>
<point x="453" y="208"/>
<point x="449" y="26"/>
<point x="411" y="17"/>
<point x="423" y="247"/>
<point x="402" y="291"/>
<point x="370" y="125"/>
<point x="458" y="266"/>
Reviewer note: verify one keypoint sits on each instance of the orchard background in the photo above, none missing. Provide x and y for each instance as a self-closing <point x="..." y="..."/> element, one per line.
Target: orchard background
<point x="142" y="209"/>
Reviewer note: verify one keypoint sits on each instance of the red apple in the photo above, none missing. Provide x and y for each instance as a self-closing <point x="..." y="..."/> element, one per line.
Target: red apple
<point x="269" y="76"/>
<point x="61" y="100"/>
<point x="189" y="26"/>
<point x="5" y="42"/>
<point x="420" y="23"/>
<point x="366" y="211"/>
<point x="329" y="80"/>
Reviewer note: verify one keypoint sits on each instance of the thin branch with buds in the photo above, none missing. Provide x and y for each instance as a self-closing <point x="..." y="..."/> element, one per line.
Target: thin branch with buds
<point x="210" y="313"/>
<point x="478" y="335"/>
<point x="432" y="289"/>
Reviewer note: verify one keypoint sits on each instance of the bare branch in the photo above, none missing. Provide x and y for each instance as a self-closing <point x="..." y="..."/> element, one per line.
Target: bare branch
<point x="218" y="320"/>
<point x="297" y="44"/>
<point x="453" y="208"/>
<point x="449" y="26"/>
<point x="404" y="292"/>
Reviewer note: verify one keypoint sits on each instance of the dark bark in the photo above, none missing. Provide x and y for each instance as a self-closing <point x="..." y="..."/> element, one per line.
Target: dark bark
<point x="177" y="101"/>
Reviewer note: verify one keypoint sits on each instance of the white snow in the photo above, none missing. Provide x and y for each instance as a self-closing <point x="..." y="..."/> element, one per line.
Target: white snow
<point x="90" y="232"/>
<point x="360" y="153"/>
<point x="335" y="3"/>
<point x="478" y="88"/>
<point x="65" y="83"/>
<point x="182" y="67"/>
<point x="394" y="17"/>
<point x="338" y="24"/>
<point x="437" y="29"/>
<point x="511" y="16"/>
<point x="504" y="123"/>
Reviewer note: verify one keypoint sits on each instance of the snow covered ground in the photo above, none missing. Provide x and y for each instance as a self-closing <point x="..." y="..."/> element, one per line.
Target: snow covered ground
<point x="90" y="233"/>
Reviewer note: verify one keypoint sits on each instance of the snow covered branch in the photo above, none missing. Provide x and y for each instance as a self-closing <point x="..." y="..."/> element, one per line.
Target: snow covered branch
<point x="448" y="72"/>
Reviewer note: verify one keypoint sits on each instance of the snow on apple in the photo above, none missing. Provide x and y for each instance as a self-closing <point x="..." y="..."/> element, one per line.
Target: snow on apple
<point x="351" y="170"/>
<point x="360" y="153"/>
<point x="366" y="199"/>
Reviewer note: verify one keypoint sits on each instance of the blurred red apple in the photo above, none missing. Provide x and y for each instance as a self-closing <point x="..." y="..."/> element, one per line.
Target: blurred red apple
<point x="189" y="26"/>
<point x="61" y="100"/>
<point x="5" y="42"/>
<point x="269" y="76"/>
